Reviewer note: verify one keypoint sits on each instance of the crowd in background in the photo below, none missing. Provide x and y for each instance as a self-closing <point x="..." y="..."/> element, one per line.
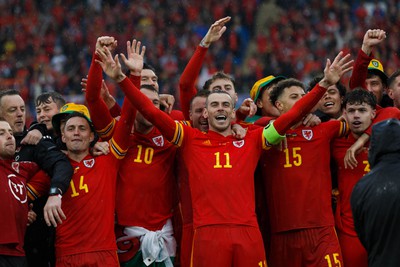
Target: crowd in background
<point x="47" y="45"/>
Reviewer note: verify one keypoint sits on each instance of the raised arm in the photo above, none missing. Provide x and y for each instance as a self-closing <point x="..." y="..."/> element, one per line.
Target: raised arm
<point x="189" y="76"/>
<point x="371" y="39"/>
<point x="119" y="142"/>
<point x="112" y="105"/>
<point x="332" y="74"/>
<point x="112" y="67"/>
<point x="102" y="119"/>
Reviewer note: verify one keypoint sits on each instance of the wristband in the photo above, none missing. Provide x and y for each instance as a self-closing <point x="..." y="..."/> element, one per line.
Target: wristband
<point x="55" y="191"/>
<point x="271" y="134"/>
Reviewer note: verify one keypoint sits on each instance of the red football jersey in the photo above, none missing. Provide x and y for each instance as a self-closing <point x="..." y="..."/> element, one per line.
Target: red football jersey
<point x="89" y="206"/>
<point x="146" y="181"/>
<point x="298" y="179"/>
<point x="89" y="203"/>
<point x="347" y="178"/>
<point x="184" y="191"/>
<point x="220" y="157"/>
<point x="14" y="205"/>
<point x="221" y="175"/>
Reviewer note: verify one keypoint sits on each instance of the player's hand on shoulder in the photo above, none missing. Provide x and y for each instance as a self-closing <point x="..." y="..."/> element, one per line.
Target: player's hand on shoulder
<point x="100" y="148"/>
<point x="32" y="138"/>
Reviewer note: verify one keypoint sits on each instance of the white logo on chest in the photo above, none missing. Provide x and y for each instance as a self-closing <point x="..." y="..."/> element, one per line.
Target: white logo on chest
<point x="88" y="163"/>
<point x="158" y="140"/>
<point x="307" y="134"/>
<point x="17" y="189"/>
<point x="238" y="144"/>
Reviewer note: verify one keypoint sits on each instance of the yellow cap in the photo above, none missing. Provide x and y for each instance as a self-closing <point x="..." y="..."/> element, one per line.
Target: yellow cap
<point x="376" y="66"/>
<point x="68" y="109"/>
<point x="255" y="90"/>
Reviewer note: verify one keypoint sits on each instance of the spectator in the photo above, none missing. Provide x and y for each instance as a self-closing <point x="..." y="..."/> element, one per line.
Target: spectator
<point x="283" y="41"/>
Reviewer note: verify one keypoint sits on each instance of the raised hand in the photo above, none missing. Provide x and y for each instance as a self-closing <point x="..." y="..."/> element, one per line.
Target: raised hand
<point x="248" y="107"/>
<point x="167" y="101"/>
<point x="135" y="57"/>
<point x="110" y="65"/>
<point x="84" y="84"/>
<point x="371" y="39"/>
<point x="106" y="41"/>
<point x="334" y="71"/>
<point x="215" y="32"/>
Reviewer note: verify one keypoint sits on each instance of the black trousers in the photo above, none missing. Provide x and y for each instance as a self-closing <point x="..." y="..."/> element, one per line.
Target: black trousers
<point x="12" y="261"/>
<point x="39" y="239"/>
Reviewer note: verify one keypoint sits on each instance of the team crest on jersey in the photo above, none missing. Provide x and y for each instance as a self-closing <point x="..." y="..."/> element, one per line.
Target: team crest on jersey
<point x="238" y="144"/>
<point x="17" y="188"/>
<point x="307" y="134"/>
<point x="15" y="166"/>
<point x="158" y="140"/>
<point x="89" y="163"/>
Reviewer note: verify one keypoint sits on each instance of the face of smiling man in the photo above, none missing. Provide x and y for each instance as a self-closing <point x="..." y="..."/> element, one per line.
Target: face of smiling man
<point x="77" y="135"/>
<point x="220" y="112"/>
<point x="331" y="102"/>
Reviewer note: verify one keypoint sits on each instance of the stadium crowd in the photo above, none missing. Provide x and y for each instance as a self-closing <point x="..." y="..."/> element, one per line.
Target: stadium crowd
<point x="45" y="45"/>
<point x="140" y="179"/>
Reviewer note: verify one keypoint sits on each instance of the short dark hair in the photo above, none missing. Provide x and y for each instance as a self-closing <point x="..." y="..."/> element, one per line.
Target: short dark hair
<point x="200" y="93"/>
<point x="147" y="66"/>
<point x="221" y="75"/>
<point x="281" y="86"/>
<point x="317" y="79"/>
<point x="48" y="97"/>
<point x="393" y="77"/>
<point x="359" y="96"/>
<point x="81" y="115"/>
<point x="206" y="85"/>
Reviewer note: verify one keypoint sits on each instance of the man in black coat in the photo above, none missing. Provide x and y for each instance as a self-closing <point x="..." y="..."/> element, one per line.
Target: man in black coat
<point x="375" y="200"/>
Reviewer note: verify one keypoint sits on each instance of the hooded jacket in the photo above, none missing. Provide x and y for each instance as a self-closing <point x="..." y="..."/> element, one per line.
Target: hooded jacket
<point x="375" y="199"/>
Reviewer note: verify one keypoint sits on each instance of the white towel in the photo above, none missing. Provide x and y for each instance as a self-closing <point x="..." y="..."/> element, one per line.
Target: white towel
<point x="156" y="246"/>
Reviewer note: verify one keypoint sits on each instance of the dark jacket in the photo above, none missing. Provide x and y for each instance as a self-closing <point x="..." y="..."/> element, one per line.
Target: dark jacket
<point x="39" y="238"/>
<point x="375" y="199"/>
<point x="49" y="158"/>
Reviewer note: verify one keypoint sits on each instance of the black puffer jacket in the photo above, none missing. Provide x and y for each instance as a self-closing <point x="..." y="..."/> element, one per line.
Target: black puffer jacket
<point x="375" y="199"/>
